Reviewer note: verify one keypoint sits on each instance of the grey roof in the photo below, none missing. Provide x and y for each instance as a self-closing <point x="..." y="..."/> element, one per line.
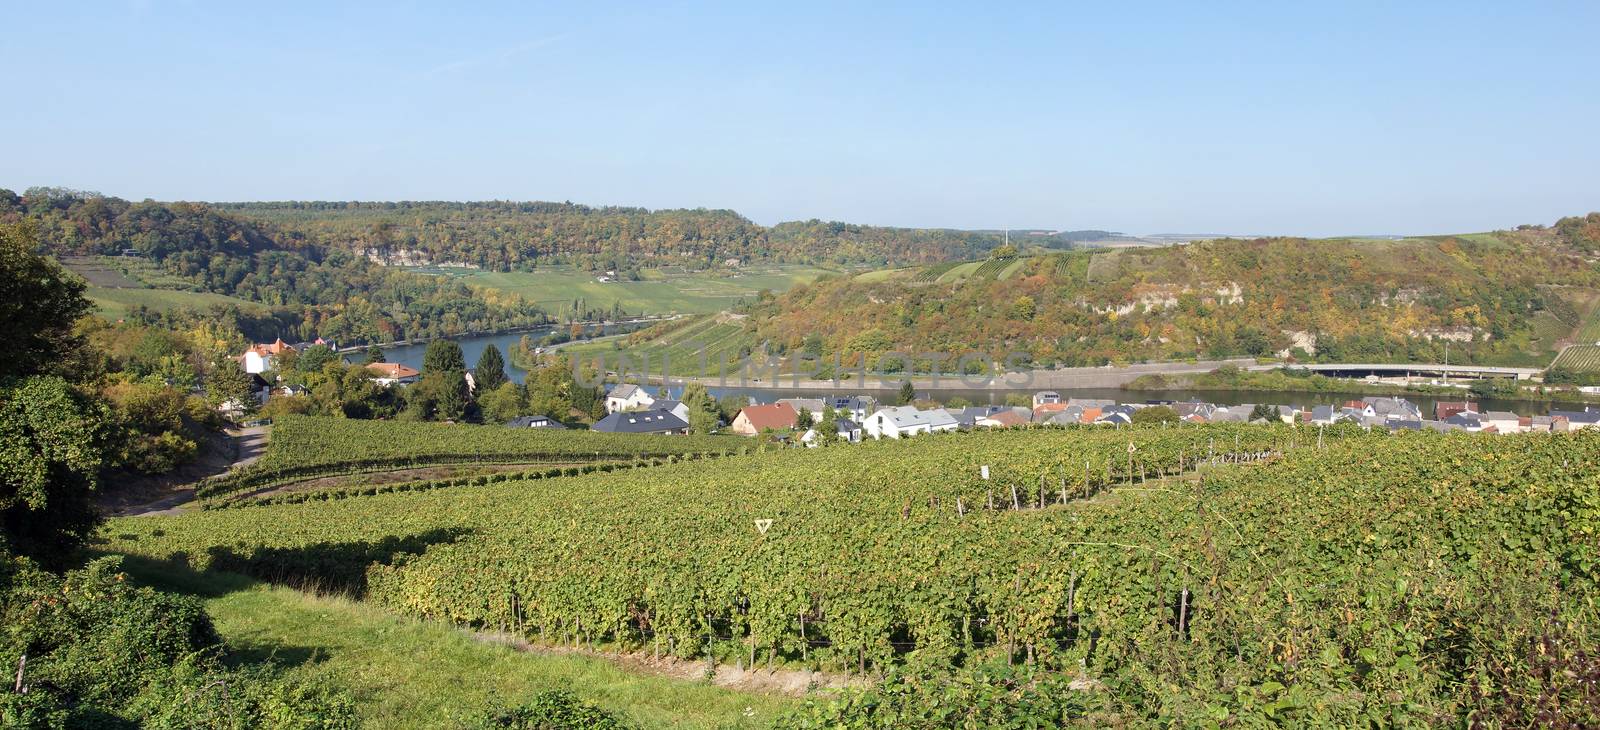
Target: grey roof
<point x="853" y="402"/>
<point x="910" y="417"/>
<point x="815" y="405"/>
<point x="1501" y="416"/>
<point x="666" y="405"/>
<point x="970" y="415"/>
<point x="651" y="421"/>
<point x="1322" y="413"/>
<point x="1464" y="420"/>
<point x="1393" y="407"/>
<point x="1404" y="424"/>
<point x="1577" y="416"/>
<point x="845" y="425"/>
<point x="623" y="390"/>
<point x="1091" y="402"/>
<point x="535" y="422"/>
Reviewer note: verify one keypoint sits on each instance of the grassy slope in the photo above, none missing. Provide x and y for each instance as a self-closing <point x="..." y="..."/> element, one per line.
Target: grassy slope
<point x="414" y="674"/>
<point x="115" y="303"/>
<point x="118" y="284"/>
<point x="659" y="293"/>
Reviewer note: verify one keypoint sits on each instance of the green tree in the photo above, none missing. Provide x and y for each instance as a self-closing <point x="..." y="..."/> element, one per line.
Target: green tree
<point x="1264" y="412"/>
<point x="1155" y="414"/>
<point x="804" y="420"/>
<point x="52" y="446"/>
<point x="39" y="302"/>
<point x="490" y="373"/>
<point x="442" y="355"/>
<point x="704" y="415"/>
<point x="229" y="383"/>
<point x="503" y="403"/>
<point x="374" y="354"/>
<point x="315" y="358"/>
<point x="908" y="393"/>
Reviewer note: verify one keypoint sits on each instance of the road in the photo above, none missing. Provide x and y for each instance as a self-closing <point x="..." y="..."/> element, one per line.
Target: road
<point x="248" y="446"/>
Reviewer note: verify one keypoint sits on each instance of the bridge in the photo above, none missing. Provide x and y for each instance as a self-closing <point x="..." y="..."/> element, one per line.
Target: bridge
<point x="1412" y="369"/>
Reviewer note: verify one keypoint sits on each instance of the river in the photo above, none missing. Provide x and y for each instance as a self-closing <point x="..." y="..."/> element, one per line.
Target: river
<point x="472" y="348"/>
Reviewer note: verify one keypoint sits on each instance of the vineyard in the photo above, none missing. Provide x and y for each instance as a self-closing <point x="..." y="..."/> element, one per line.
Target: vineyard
<point x="1376" y="580"/>
<point x="679" y="347"/>
<point x="303" y="447"/>
<point x="1579" y="359"/>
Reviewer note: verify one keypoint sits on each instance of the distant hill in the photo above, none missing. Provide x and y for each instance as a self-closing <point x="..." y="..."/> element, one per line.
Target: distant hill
<point x="504" y="235"/>
<point x="1510" y="297"/>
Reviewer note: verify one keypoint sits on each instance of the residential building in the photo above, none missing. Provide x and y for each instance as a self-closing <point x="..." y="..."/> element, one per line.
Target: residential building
<point x="675" y="407"/>
<point x="646" y="421"/>
<point x="847" y="430"/>
<point x="753" y="420"/>
<point x="1502" y="421"/>
<point x="1445" y="409"/>
<point x="261" y="358"/>
<point x="1393" y="408"/>
<point x="903" y="421"/>
<point x="1003" y="419"/>
<point x="1045" y="396"/>
<point x="856" y="407"/>
<point x="536" y="422"/>
<point x="392" y="373"/>
<point x="814" y="406"/>
<point x="627" y="397"/>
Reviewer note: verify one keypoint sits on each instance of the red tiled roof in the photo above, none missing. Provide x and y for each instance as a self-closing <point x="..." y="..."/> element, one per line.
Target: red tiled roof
<point x="775" y="415"/>
<point x="392" y="370"/>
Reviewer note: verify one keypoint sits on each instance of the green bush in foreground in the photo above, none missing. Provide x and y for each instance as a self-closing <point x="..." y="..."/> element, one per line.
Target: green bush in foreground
<point x="102" y="653"/>
<point x="554" y="710"/>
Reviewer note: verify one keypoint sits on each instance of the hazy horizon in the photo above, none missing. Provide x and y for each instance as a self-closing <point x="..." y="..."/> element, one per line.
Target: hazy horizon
<point x="1428" y="118"/>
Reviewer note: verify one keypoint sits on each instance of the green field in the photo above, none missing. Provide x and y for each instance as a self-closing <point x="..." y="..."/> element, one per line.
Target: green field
<point x="660" y="292"/>
<point x="115" y="303"/>
<point x="118" y="284"/>
<point x="407" y="673"/>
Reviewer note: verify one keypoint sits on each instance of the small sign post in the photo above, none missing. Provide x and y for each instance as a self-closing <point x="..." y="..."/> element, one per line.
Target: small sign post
<point x="763" y="525"/>
<point x="984" y="471"/>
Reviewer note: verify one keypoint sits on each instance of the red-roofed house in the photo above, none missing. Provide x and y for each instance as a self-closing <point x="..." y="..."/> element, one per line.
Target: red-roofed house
<point x="260" y="358"/>
<point x="390" y="373"/>
<point x="755" y="419"/>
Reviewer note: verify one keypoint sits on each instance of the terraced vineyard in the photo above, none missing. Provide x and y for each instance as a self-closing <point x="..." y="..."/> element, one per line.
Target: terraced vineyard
<point x="681" y="346"/>
<point x="1385" y="580"/>
<point x="1579" y="358"/>
<point x="303" y="447"/>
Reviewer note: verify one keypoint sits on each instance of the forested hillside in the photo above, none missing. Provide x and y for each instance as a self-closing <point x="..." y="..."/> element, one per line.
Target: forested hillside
<point x="1507" y="297"/>
<point x="314" y="290"/>
<point x="506" y="235"/>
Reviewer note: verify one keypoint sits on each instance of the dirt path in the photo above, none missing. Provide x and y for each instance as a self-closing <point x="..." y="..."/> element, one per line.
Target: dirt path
<point x="791" y="682"/>
<point x="164" y="496"/>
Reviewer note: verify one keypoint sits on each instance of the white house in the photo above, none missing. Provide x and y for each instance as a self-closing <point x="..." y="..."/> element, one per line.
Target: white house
<point x="1045" y="396"/>
<point x="814" y="406"/>
<point x="627" y="397"/>
<point x="848" y="431"/>
<point x="1503" y="421"/>
<point x="902" y="421"/>
<point x="261" y="358"/>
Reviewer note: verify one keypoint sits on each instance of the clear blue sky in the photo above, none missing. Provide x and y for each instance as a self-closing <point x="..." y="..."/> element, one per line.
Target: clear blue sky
<point x="1273" y="117"/>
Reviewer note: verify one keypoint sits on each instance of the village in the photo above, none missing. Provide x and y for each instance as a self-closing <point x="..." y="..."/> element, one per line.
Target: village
<point x="813" y="421"/>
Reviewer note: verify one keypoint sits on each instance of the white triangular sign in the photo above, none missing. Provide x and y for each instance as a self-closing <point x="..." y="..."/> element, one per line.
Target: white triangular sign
<point x="763" y="525"/>
<point x="1131" y="447"/>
